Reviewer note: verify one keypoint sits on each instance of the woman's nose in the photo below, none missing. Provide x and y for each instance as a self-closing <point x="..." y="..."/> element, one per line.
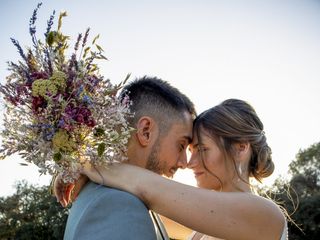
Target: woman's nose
<point x="193" y="162"/>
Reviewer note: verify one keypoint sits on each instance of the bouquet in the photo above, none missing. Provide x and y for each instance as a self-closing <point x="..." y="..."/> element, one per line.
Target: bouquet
<point x="60" y="112"/>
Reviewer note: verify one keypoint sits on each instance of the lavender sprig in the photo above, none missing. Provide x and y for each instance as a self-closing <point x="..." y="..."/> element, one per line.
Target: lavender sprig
<point x="32" y="26"/>
<point x="76" y="46"/>
<point x="20" y="70"/>
<point x="84" y="42"/>
<point x="50" y="23"/>
<point x="20" y="50"/>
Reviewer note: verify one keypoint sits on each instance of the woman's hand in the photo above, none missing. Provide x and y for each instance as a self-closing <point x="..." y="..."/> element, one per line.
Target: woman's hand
<point x="68" y="192"/>
<point x="104" y="175"/>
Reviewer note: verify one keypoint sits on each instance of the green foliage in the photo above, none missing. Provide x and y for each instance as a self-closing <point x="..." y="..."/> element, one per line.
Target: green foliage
<point x="31" y="213"/>
<point x="307" y="160"/>
<point x="101" y="148"/>
<point x="306" y="170"/>
<point x="300" y="195"/>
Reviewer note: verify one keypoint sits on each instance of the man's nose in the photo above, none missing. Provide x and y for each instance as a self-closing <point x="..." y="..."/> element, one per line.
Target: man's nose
<point x="182" y="162"/>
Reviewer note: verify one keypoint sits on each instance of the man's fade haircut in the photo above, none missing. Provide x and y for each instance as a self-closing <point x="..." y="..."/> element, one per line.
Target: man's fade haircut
<point x="156" y="98"/>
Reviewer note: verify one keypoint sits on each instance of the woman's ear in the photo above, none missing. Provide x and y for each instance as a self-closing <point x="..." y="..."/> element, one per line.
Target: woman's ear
<point x="243" y="151"/>
<point x="146" y="128"/>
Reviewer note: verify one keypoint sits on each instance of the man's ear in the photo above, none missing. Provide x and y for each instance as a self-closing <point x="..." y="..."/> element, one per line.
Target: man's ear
<point x="146" y="130"/>
<point x="243" y="151"/>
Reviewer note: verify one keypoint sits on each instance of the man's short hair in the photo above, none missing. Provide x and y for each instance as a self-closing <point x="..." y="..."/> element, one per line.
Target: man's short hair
<point x="156" y="98"/>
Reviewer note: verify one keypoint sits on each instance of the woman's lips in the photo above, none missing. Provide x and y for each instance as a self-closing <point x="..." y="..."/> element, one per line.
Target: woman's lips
<point x="197" y="174"/>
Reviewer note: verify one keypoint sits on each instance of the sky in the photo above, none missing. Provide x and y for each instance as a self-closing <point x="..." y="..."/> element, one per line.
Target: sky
<point x="264" y="52"/>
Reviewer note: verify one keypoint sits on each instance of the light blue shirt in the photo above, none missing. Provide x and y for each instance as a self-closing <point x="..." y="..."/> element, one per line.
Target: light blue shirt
<point x="106" y="213"/>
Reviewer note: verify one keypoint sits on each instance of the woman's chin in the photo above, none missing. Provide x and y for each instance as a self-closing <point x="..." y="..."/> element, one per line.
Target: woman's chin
<point x="207" y="185"/>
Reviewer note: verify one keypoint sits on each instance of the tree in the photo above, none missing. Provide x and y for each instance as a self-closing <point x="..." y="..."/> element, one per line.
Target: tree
<point x="31" y="213"/>
<point x="300" y="195"/>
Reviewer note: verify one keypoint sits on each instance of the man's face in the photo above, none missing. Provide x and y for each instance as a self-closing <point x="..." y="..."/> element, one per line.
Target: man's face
<point x="169" y="151"/>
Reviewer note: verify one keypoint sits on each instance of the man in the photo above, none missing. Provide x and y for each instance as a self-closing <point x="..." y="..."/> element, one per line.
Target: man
<point x="163" y="121"/>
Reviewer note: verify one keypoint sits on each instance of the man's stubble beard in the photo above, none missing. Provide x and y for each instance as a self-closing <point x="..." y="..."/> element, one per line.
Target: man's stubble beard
<point x="153" y="162"/>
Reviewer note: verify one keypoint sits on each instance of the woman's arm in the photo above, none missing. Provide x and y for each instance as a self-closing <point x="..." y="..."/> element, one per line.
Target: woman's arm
<point x="219" y="214"/>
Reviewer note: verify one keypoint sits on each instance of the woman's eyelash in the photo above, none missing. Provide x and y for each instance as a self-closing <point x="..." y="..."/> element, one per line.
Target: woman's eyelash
<point x="202" y="149"/>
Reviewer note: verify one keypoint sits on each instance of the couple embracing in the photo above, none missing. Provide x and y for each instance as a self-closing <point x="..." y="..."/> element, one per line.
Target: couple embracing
<point x="228" y="147"/>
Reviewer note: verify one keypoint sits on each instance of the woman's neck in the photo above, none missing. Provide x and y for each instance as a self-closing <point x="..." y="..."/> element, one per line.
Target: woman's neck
<point x="238" y="185"/>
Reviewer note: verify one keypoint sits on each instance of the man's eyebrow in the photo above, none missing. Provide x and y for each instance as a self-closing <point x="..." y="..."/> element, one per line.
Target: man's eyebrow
<point x="188" y="138"/>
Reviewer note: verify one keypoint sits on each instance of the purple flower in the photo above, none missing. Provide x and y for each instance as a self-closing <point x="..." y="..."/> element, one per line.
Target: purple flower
<point x="50" y="23"/>
<point x="32" y="26"/>
<point x="37" y="103"/>
<point x="39" y="75"/>
<point x="85" y="111"/>
<point x="80" y="90"/>
<point x="61" y="123"/>
<point x="80" y="118"/>
<point x="84" y="42"/>
<point x="48" y="131"/>
<point x="86" y="99"/>
<point x="17" y="45"/>
<point x="76" y="46"/>
<point x="73" y="63"/>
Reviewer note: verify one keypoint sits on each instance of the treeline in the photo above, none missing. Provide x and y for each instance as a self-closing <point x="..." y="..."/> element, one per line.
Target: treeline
<point x="300" y="195"/>
<point x="32" y="213"/>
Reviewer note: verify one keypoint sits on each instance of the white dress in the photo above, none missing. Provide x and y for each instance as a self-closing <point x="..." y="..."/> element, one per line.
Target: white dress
<point x="284" y="235"/>
<point x="204" y="237"/>
<point x="285" y="232"/>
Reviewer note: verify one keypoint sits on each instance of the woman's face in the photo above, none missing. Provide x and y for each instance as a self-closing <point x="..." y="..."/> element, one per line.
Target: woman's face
<point x="208" y="153"/>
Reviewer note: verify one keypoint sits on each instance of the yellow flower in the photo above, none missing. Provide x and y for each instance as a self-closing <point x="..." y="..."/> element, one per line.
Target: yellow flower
<point x="62" y="142"/>
<point x="49" y="87"/>
<point x="59" y="79"/>
<point x="43" y="88"/>
<point x="36" y="85"/>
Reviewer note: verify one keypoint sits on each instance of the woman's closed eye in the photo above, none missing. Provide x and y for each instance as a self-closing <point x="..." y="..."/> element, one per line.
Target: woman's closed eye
<point x="202" y="149"/>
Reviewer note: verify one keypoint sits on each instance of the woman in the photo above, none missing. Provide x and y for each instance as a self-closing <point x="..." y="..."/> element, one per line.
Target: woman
<point x="229" y="147"/>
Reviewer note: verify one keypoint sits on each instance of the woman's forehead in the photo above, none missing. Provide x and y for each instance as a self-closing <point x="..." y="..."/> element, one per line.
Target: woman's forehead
<point x="204" y="136"/>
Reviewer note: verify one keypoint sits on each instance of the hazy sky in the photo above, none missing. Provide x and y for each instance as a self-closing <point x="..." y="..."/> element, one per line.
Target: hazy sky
<point x="265" y="52"/>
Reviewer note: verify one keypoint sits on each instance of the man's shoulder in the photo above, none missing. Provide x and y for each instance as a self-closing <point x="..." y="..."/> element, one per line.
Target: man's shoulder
<point x="93" y="192"/>
<point x="98" y="207"/>
<point x="106" y="199"/>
